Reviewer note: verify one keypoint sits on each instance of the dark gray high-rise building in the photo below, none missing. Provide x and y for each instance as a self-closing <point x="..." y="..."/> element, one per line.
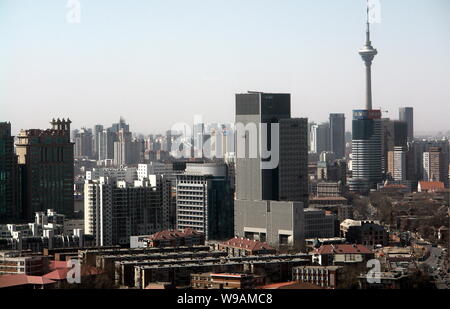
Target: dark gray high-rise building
<point x="406" y="114"/>
<point x="9" y="180"/>
<point x="46" y="161"/>
<point x="337" y="135"/>
<point x="271" y="190"/>
<point x="323" y="137"/>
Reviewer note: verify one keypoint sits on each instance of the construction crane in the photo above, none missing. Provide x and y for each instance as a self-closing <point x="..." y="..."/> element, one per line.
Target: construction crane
<point x="383" y="111"/>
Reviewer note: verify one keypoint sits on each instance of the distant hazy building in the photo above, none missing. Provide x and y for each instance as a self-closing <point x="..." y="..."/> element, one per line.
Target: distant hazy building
<point x="98" y="128"/>
<point x="83" y="143"/>
<point x="312" y="137"/>
<point x="337" y="135"/>
<point x="406" y="114"/>
<point x="105" y="140"/>
<point x="9" y="177"/>
<point x="47" y="167"/>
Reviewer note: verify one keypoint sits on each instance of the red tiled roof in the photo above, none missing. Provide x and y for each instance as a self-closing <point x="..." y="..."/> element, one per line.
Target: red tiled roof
<point x="431" y="185"/>
<point x="16" y="280"/>
<point x="171" y="234"/>
<point x="57" y="264"/>
<point x="291" y="285"/>
<point x="393" y="186"/>
<point x="247" y="244"/>
<point x="58" y="274"/>
<point x="328" y="198"/>
<point x="342" y="248"/>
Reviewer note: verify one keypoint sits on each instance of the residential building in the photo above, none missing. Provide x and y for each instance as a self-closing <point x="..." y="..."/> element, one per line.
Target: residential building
<point x="114" y="211"/>
<point x="341" y="254"/>
<point x="324" y="276"/>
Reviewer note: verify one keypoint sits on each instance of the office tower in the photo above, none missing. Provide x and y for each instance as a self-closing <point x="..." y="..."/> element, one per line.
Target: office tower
<point x="271" y="191"/>
<point x="106" y="140"/>
<point x="98" y="129"/>
<point x="293" y="158"/>
<point x="397" y="163"/>
<point x="367" y="134"/>
<point x="114" y="211"/>
<point x="435" y="165"/>
<point x="337" y="135"/>
<point x="406" y="114"/>
<point x="83" y="143"/>
<point x="9" y="178"/>
<point x="46" y="161"/>
<point x="204" y="200"/>
<point x="323" y="138"/>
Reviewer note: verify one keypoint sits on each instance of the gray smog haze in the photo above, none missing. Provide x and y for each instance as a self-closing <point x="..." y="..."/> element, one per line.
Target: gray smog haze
<point x="160" y="62"/>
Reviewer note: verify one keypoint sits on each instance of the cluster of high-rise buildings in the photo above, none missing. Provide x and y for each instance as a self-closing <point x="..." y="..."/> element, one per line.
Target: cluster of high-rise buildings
<point x="281" y="183"/>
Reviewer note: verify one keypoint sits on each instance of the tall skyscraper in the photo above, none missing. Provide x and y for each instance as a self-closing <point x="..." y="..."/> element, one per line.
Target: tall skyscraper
<point x="406" y="114"/>
<point x="367" y="133"/>
<point x="46" y="160"/>
<point x="9" y="178"/>
<point x="270" y="198"/>
<point x="337" y="135"/>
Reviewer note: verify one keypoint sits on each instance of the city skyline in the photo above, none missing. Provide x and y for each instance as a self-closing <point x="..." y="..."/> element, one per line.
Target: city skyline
<point x="100" y="84"/>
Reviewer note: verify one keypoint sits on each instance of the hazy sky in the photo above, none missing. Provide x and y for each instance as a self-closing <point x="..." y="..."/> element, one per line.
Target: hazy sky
<point x="158" y="62"/>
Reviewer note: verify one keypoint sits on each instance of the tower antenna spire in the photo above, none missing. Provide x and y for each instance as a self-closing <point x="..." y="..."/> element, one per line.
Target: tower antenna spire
<point x="367" y="54"/>
<point x="368" y="43"/>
